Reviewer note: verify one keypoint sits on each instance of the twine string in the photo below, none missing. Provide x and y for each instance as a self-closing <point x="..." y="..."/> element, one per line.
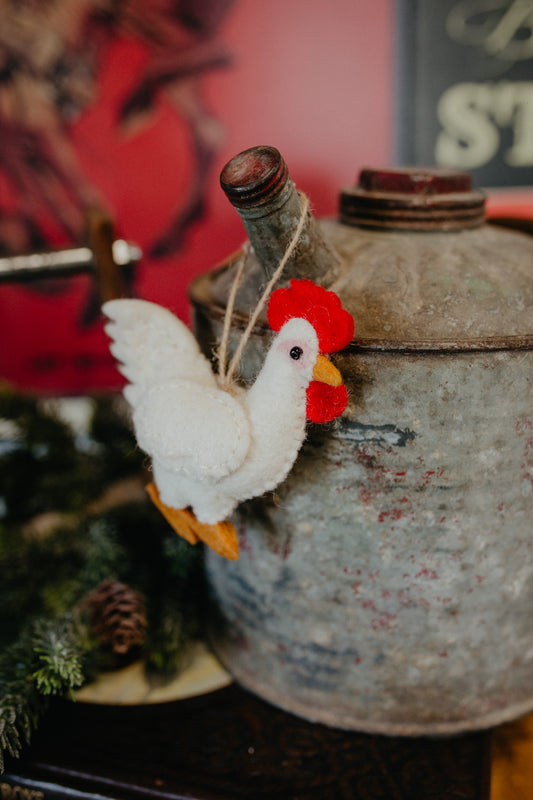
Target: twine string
<point x="227" y="377"/>
<point x="223" y="349"/>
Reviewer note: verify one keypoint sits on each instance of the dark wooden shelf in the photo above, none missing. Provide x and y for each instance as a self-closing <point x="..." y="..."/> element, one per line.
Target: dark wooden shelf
<point x="229" y="745"/>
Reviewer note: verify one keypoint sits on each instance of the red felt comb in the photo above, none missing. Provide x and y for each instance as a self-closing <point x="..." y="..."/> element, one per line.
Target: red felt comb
<point x="322" y="308"/>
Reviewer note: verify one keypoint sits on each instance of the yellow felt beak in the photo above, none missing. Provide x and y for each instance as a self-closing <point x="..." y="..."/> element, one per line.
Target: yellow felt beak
<point x="325" y="372"/>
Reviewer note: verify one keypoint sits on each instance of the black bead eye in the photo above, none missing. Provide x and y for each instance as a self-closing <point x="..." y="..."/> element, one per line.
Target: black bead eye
<point x="296" y="353"/>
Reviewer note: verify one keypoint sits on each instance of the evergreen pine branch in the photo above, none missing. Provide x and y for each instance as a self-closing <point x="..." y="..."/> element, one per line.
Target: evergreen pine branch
<point x="20" y="712"/>
<point x="21" y="705"/>
<point x="46" y="659"/>
<point x="9" y="735"/>
<point x="59" y="654"/>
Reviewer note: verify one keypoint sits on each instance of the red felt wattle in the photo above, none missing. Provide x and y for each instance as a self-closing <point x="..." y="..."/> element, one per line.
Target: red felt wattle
<point x="334" y="326"/>
<point x="325" y="402"/>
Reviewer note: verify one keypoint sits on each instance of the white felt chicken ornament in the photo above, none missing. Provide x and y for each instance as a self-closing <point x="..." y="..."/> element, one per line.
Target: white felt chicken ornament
<point x="212" y="448"/>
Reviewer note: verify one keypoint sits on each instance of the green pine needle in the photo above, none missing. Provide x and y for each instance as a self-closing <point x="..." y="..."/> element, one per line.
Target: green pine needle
<point x="59" y="656"/>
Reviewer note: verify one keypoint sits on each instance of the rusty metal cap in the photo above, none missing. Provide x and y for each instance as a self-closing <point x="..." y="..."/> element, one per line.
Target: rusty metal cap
<point x="254" y="178"/>
<point x="413" y="198"/>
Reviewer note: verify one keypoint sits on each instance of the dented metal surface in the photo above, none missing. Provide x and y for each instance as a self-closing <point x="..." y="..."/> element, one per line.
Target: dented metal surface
<point x="387" y="584"/>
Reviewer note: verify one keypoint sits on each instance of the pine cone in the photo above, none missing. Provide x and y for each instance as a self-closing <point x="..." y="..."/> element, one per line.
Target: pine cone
<point x="117" y="615"/>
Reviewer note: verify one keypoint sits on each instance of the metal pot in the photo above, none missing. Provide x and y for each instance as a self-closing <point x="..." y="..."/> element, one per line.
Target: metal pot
<point x="387" y="585"/>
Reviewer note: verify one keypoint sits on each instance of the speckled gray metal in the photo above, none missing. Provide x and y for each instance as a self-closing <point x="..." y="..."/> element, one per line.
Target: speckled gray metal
<point x="387" y="586"/>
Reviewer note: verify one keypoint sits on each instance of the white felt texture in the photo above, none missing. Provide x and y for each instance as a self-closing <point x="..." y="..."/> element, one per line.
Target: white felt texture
<point x="152" y="345"/>
<point x="200" y="432"/>
<point x="210" y="449"/>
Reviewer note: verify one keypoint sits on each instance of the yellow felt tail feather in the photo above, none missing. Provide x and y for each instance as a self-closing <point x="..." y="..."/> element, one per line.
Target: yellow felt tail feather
<point x="221" y="537"/>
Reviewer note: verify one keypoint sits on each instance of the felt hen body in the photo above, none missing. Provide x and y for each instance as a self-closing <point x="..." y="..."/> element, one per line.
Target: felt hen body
<point x="212" y="448"/>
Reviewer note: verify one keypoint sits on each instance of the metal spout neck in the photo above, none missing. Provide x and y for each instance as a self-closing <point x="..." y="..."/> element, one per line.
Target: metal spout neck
<point x="258" y="185"/>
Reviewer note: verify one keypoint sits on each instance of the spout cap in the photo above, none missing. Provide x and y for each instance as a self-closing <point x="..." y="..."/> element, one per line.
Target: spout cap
<point x="255" y="177"/>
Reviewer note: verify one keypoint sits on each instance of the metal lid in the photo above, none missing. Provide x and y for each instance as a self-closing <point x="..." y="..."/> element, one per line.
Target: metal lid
<point x="422" y="270"/>
<point x="413" y="198"/>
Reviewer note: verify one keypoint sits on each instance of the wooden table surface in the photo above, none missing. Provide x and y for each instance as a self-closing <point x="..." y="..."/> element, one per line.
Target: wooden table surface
<point x="227" y="745"/>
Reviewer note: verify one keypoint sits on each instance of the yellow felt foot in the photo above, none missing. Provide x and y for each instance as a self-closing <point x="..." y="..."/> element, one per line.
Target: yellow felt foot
<point x="177" y="518"/>
<point x="221" y="537"/>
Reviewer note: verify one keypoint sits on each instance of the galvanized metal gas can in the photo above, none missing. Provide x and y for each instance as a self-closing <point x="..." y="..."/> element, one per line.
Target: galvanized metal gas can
<point x="387" y="585"/>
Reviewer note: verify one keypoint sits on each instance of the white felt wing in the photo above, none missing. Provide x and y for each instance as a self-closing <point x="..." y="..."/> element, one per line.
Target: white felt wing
<point x="153" y="346"/>
<point x="193" y="430"/>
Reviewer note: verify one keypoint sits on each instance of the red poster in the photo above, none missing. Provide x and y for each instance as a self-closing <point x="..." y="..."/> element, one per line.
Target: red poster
<point x="134" y="107"/>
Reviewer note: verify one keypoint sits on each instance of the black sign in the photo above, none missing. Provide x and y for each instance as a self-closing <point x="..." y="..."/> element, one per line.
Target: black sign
<point x="465" y="87"/>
